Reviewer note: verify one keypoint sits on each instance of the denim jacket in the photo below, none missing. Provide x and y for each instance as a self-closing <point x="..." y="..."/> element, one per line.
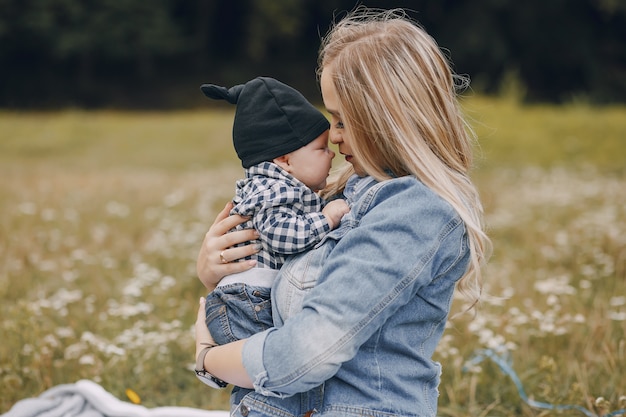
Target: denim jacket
<point x="358" y="317"/>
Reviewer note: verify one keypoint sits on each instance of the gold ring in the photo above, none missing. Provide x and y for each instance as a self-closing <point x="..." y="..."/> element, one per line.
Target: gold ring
<point x="224" y="261"/>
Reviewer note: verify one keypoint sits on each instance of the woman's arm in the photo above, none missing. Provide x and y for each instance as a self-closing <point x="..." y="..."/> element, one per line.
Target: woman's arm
<point x="209" y="266"/>
<point x="375" y="270"/>
<point x="223" y="362"/>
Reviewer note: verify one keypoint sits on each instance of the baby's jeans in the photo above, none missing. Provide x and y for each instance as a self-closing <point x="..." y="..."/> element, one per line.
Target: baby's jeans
<point x="240" y="306"/>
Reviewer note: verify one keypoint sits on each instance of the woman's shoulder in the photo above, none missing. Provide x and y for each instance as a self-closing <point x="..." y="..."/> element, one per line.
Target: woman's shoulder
<point x="359" y="187"/>
<point x="405" y="194"/>
<point x="400" y="187"/>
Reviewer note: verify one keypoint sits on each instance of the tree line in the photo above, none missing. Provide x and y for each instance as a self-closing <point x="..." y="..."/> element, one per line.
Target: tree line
<point x="155" y="54"/>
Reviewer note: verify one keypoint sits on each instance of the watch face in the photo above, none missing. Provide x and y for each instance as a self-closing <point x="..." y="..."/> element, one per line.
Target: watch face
<point x="210" y="380"/>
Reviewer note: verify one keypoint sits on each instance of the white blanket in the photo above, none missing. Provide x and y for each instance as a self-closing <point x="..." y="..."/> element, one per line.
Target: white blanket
<point x="88" y="399"/>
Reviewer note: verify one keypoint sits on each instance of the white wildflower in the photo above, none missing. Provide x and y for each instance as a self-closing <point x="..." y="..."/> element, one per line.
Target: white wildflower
<point x="74" y="351"/>
<point x="48" y="214"/>
<point x="167" y="282"/>
<point x="27" y="208"/>
<point x="117" y="209"/>
<point x="617" y="315"/>
<point x="87" y="360"/>
<point x="555" y="285"/>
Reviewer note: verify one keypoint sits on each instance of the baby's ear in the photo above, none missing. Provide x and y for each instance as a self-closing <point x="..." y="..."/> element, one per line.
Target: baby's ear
<point x="283" y="162"/>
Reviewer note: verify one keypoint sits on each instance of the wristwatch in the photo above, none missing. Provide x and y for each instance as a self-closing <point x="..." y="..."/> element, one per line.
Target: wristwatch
<point x="202" y="373"/>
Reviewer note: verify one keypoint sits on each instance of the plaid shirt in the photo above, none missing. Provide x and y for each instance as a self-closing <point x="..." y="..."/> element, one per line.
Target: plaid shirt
<point x="286" y="213"/>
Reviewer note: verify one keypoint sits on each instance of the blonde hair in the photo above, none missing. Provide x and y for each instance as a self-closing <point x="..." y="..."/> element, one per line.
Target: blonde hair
<point x="398" y="102"/>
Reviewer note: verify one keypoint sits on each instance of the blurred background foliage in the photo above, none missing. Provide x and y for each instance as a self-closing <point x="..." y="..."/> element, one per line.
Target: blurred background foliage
<point x="155" y="54"/>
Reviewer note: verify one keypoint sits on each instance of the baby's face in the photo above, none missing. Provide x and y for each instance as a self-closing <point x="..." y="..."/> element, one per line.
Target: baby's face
<point x="311" y="163"/>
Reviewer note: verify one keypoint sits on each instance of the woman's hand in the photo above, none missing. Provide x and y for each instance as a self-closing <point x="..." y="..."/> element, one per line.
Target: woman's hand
<point x="215" y="259"/>
<point x="226" y="362"/>
<point x="203" y="336"/>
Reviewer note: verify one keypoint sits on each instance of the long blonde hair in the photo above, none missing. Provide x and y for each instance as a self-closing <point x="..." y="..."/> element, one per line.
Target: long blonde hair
<point x="398" y="102"/>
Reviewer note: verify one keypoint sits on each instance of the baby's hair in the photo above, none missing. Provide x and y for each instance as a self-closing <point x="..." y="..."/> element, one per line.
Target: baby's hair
<point x="398" y="103"/>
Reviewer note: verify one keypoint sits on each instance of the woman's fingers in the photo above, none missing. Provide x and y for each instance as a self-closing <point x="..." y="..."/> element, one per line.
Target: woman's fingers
<point x="210" y="266"/>
<point x="199" y="322"/>
<point x="200" y="317"/>
<point x="224" y="222"/>
<point x="234" y="238"/>
<point x="234" y="254"/>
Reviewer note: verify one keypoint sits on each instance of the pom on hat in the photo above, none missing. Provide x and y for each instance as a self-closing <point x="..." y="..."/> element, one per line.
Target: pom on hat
<point x="223" y="93"/>
<point x="272" y="119"/>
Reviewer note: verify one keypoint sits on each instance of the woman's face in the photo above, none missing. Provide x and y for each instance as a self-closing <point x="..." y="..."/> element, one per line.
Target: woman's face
<point x="338" y="134"/>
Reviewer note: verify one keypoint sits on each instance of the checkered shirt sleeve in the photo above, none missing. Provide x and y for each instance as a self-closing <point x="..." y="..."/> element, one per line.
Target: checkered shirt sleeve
<point x="285" y="212"/>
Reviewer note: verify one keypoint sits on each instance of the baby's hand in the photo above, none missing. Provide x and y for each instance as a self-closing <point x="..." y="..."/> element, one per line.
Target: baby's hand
<point x="334" y="211"/>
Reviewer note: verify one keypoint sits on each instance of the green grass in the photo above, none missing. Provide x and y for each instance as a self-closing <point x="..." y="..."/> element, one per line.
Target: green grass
<point x="103" y="214"/>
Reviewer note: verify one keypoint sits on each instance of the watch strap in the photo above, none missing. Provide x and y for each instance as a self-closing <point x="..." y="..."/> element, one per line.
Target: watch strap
<point x="202" y="373"/>
<point x="201" y="356"/>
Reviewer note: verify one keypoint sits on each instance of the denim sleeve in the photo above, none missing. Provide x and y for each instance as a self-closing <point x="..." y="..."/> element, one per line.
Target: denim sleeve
<point x="405" y="237"/>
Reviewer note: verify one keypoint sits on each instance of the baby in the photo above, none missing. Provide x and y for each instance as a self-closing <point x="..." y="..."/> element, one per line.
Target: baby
<point x="282" y="142"/>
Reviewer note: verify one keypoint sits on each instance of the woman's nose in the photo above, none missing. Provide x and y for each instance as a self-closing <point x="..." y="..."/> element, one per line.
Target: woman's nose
<point x="334" y="136"/>
<point x="332" y="154"/>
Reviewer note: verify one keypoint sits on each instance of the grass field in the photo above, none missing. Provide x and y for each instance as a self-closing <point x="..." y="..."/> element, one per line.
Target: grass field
<point x="103" y="214"/>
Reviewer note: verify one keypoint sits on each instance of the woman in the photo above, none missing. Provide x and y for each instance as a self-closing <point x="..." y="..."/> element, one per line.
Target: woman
<point x="359" y="317"/>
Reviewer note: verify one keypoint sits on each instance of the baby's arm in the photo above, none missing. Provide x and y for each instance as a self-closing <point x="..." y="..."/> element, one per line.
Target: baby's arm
<point x="334" y="211"/>
<point x="283" y="220"/>
<point x="287" y="231"/>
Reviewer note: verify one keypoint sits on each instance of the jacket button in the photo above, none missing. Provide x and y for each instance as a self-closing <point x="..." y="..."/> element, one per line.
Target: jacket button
<point x="244" y="410"/>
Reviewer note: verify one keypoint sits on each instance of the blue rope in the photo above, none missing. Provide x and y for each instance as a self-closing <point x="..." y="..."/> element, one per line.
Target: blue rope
<point x="504" y="363"/>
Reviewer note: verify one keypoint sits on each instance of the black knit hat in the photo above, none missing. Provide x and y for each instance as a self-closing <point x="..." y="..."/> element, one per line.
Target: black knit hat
<point x="271" y="120"/>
